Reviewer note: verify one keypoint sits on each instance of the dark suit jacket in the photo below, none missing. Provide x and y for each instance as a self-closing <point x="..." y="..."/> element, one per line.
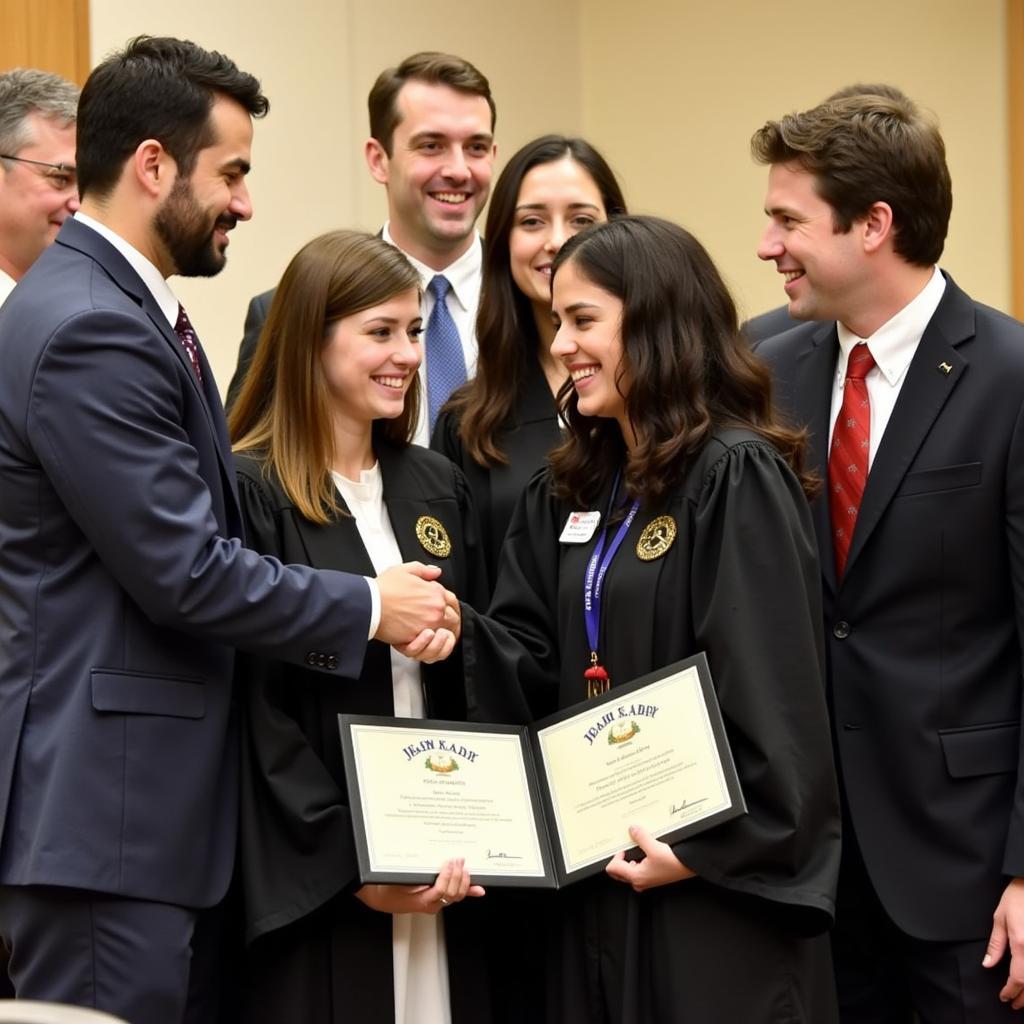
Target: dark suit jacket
<point x="775" y="321"/>
<point x="924" y="631"/>
<point x="124" y="588"/>
<point x="255" y="318"/>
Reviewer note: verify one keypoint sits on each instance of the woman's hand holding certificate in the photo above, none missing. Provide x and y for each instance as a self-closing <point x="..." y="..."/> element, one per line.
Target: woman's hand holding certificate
<point x="659" y="866"/>
<point x="452" y="885"/>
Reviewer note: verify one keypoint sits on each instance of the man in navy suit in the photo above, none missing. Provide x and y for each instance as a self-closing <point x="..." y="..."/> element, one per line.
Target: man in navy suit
<point x="124" y="583"/>
<point x="432" y="147"/>
<point x="913" y="395"/>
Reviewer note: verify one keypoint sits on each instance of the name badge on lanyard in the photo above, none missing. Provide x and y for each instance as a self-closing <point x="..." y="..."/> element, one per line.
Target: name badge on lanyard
<point x="579" y="527"/>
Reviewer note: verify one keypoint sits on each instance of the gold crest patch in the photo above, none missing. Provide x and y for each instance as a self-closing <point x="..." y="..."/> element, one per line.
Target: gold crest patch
<point x="433" y="536"/>
<point x="656" y="539"/>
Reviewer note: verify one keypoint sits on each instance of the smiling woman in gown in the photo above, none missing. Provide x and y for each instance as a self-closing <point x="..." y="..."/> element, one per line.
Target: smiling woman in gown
<point x="702" y="541"/>
<point x="499" y="427"/>
<point x="327" y="477"/>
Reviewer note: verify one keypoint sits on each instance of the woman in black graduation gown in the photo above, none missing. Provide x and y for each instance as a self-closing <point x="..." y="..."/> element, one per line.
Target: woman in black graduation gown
<point x="327" y="477"/>
<point x="672" y="439"/>
<point x="499" y="427"/>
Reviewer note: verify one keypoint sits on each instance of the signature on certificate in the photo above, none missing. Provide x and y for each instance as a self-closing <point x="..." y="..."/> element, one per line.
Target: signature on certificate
<point x="501" y="855"/>
<point x="679" y="808"/>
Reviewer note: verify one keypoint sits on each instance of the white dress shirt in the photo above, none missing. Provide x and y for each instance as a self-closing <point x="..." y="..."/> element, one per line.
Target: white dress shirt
<point x="463" y="299"/>
<point x="893" y="346"/>
<point x="7" y="284"/>
<point x="151" y="277"/>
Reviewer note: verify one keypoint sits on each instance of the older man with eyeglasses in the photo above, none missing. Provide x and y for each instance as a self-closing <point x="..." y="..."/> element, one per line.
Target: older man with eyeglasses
<point x="38" y="186"/>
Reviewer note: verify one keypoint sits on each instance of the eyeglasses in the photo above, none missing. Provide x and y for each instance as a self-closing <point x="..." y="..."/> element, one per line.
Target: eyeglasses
<point x="59" y="175"/>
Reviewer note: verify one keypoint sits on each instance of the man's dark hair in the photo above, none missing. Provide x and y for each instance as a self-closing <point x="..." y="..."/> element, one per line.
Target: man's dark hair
<point x="432" y="68"/>
<point x="864" y="148"/>
<point x="156" y="88"/>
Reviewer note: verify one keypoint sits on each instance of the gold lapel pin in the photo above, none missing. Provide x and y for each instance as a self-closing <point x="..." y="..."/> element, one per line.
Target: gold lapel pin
<point x="656" y="539"/>
<point x="946" y="368"/>
<point x="433" y="536"/>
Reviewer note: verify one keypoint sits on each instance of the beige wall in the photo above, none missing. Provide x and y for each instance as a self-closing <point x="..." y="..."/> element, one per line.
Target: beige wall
<point x="670" y="90"/>
<point x="317" y="60"/>
<point x="675" y="91"/>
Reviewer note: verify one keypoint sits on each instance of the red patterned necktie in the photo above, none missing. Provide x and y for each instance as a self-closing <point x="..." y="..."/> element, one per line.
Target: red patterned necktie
<point x="848" y="459"/>
<point x="189" y="340"/>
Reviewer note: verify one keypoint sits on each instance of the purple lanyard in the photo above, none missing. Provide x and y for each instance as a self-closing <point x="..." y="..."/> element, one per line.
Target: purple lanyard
<point x="598" y="566"/>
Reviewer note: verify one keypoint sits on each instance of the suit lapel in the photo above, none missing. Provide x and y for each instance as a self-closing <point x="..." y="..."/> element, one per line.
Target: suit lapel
<point x="812" y="397"/>
<point x="94" y="245"/>
<point x="932" y="376"/>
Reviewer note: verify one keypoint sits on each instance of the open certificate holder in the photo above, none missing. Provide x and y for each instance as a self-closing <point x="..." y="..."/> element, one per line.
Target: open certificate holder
<point x="544" y="805"/>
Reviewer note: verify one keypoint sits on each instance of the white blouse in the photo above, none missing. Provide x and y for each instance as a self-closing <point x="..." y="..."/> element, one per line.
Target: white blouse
<point x="419" y="954"/>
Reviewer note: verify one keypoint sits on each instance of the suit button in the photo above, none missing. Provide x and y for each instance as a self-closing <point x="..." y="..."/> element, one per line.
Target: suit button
<point x="311" y="659"/>
<point x="321" y="661"/>
<point x="841" y="630"/>
<point x="332" y="662"/>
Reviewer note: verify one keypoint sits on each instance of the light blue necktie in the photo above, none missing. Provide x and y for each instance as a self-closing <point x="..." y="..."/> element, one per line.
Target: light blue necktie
<point x="446" y="365"/>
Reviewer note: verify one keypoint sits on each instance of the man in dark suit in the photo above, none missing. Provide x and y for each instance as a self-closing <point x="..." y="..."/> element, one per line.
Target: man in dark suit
<point x="124" y="585"/>
<point x="913" y="395"/>
<point x="432" y="147"/>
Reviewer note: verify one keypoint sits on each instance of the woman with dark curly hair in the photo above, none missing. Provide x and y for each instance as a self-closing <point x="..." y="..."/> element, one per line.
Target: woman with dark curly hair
<point x="702" y="541"/>
<point x="499" y="427"/>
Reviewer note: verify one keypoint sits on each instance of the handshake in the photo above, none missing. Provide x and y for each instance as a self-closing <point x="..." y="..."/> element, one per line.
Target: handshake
<point x="418" y="617"/>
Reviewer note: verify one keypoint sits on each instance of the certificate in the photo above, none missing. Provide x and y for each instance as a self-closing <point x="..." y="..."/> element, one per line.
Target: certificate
<point x="651" y="753"/>
<point x="547" y="804"/>
<point x="424" y="791"/>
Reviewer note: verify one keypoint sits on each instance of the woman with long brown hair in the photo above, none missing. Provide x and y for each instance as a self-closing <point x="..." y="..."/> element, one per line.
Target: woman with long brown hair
<point x="327" y="477"/>
<point x="499" y="427"/>
<point x="701" y="541"/>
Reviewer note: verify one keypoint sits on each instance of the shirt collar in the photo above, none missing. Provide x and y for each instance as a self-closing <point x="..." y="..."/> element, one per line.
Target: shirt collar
<point x="462" y="274"/>
<point x="151" y="277"/>
<point x="7" y="284"/>
<point x="894" y="343"/>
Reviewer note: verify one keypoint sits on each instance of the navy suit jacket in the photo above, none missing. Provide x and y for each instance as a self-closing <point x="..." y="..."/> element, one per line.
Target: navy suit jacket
<point x="924" y="629"/>
<point x="775" y="321"/>
<point x="124" y="589"/>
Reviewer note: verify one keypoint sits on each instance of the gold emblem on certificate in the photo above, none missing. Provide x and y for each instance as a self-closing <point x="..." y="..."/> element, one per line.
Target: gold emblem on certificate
<point x="441" y="763"/>
<point x="656" y="539"/>
<point x="622" y="732"/>
<point x="434" y="537"/>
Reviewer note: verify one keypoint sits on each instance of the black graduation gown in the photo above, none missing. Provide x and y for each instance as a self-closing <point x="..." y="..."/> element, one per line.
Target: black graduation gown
<point x="315" y="952"/>
<point x="531" y="433"/>
<point x="743" y="942"/>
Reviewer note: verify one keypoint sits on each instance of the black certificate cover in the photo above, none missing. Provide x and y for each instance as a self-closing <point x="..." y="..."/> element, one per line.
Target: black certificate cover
<point x="638" y="750"/>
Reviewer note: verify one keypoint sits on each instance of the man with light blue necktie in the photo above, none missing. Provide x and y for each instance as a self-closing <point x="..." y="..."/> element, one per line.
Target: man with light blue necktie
<point x="432" y="147"/>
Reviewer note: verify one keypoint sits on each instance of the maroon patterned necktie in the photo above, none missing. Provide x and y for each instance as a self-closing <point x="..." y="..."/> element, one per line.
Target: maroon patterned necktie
<point x="189" y="340"/>
<point x="848" y="458"/>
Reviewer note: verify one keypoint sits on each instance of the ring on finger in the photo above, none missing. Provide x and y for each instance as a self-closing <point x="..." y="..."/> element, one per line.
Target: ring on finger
<point x="444" y="902"/>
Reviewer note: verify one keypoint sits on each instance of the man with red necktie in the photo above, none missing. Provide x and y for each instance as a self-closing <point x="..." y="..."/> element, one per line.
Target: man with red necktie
<point x="913" y="395"/>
